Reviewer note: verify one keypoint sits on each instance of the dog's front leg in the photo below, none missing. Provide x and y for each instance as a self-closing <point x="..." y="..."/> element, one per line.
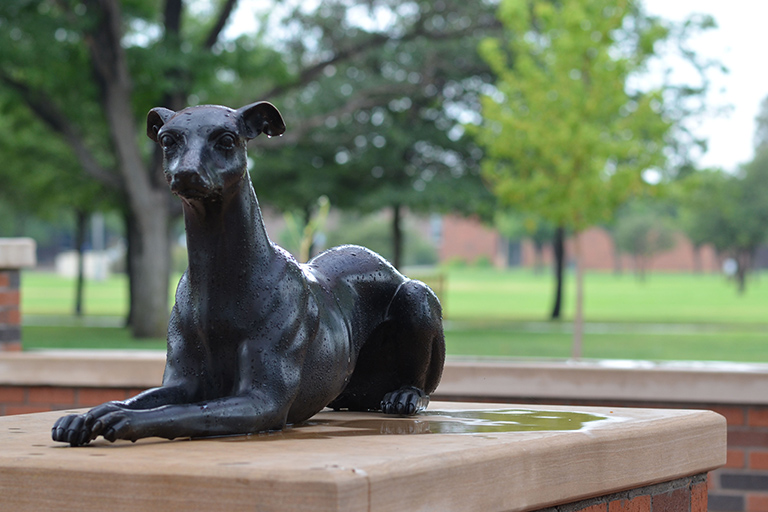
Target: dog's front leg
<point x="253" y="412"/>
<point x="77" y="429"/>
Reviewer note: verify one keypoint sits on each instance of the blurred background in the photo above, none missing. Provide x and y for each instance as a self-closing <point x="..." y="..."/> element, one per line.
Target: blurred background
<point x="574" y="178"/>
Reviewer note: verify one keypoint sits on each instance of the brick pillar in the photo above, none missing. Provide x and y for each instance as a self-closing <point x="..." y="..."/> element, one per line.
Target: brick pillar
<point x="15" y="254"/>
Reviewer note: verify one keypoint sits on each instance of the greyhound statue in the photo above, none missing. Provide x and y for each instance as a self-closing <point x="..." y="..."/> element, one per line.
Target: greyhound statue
<point x="256" y="340"/>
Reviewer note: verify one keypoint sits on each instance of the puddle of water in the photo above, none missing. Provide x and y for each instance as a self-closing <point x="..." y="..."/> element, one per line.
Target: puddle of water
<point x="436" y="422"/>
<point x="508" y="420"/>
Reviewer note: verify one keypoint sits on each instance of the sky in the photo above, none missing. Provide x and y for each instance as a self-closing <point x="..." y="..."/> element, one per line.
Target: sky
<point x="738" y="43"/>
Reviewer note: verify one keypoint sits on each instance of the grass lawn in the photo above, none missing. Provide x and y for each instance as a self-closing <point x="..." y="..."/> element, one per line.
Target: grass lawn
<point x="494" y="313"/>
<point x="490" y="294"/>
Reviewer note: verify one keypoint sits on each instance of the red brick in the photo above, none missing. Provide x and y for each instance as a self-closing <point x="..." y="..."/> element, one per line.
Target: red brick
<point x="5" y="279"/>
<point x="600" y="507"/>
<point x="14" y="317"/>
<point x="10" y="410"/>
<point x="672" y="501"/>
<point x="734" y="415"/>
<point x="758" y="459"/>
<point x="736" y="459"/>
<point x="10" y="346"/>
<point x="712" y="480"/>
<point x="51" y="395"/>
<point x="11" y="395"/>
<point x="699" y="497"/>
<point x="747" y="438"/>
<point x="758" y="416"/>
<point x="757" y="502"/>
<point x="10" y="316"/>
<point x="88" y="397"/>
<point x="9" y="298"/>
<point x="637" y="504"/>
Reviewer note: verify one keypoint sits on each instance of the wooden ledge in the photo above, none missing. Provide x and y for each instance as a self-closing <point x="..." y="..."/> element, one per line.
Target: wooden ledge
<point x="87" y="368"/>
<point x="463" y="378"/>
<point x="610" y="380"/>
<point x="353" y="461"/>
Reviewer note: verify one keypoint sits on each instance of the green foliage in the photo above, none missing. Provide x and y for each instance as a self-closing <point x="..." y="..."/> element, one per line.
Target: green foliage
<point x="515" y="226"/>
<point x="729" y="211"/>
<point x="565" y="138"/>
<point x="761" y="127"/>
<point x="643" y="229"/>
<point x="40" y="175"/>
<point x="378" y="125"/>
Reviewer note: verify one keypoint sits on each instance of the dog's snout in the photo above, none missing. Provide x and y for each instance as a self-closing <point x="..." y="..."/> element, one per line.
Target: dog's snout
<point x="188" y="183"/>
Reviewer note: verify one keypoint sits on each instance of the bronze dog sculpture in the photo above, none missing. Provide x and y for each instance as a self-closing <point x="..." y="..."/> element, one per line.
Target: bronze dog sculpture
<point x="257" y="341"/>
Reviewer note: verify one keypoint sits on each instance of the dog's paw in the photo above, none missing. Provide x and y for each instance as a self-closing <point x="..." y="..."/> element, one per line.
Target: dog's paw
<point x="406" y="401"/>
<point x="73" y="429"/>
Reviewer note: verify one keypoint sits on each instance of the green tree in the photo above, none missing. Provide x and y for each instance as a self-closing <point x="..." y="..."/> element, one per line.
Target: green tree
<point x="376" y="121"/>
<point x="642" y="229"/>
<point x="89" y="71"/>
<point x="41" y="179"/>
<point x="566" y="137"/>
<point x="729" y="211"/>
<point x="761" y="126"/>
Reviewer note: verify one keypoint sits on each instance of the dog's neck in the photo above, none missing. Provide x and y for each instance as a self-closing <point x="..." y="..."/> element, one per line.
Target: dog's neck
<point x="226" y="233"/>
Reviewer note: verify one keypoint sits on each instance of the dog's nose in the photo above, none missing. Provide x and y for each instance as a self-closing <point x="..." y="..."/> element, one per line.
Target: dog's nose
<point x="188" y="183"/>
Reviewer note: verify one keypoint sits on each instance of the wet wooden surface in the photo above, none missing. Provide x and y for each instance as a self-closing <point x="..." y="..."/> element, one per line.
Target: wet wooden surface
<point x="455" y="456"/>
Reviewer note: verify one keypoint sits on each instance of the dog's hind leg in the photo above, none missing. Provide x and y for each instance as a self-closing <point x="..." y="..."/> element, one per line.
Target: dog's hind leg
<point x="417" y="329"/>
<point x="402" y="361"/>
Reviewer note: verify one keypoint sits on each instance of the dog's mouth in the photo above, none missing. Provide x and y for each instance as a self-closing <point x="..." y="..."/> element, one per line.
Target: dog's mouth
<point x="193" y="192"/>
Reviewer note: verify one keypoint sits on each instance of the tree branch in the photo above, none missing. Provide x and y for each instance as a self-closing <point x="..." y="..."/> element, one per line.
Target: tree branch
<point x="375" y="97"/>
<point x="50" y="114"/>
<point x="221" y="20"/>
<point x="376" y="40"/>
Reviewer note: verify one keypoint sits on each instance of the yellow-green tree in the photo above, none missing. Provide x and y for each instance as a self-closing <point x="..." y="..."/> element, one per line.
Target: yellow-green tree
<point x="565" y="136"/>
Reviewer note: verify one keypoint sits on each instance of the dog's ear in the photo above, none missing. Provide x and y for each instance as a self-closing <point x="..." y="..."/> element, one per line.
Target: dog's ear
<point x="156" y="118"/>
<point x="260" y="117"/>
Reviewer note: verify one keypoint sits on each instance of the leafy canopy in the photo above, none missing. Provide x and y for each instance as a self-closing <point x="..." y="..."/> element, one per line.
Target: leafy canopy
<point x="566" y="138"/>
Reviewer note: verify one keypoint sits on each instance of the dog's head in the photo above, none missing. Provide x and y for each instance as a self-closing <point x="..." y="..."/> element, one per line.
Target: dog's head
<point x="204" y="147"/>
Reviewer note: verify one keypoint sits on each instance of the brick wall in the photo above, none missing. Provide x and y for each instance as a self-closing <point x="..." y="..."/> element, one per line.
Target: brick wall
<point x="681" y="495"/>
<point x="740" y="486"/>
<point x="10" y="315"/>
<point x="468" y="239"/>
<point x="30" y="399"/>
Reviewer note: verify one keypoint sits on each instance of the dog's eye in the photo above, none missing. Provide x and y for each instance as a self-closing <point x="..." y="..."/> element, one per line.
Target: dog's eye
<point x="226" y="141"/>
<point x="167" y="141"/>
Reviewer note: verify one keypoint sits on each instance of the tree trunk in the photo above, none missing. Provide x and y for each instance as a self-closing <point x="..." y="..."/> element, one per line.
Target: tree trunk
<point x="697" y="266"/>
<point x="397" y="235"/>
<point x="558" y="244"/>
<point x="150" y="269"/>
<point x="640" y="266"/>
<point x="578" y="319"/>
<point x="147" y="195"/>
<point x="80" y="228"/>
<point x="538" y="256"/>
<point x="618" y="269"/>
<point x="743" y="262"/>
